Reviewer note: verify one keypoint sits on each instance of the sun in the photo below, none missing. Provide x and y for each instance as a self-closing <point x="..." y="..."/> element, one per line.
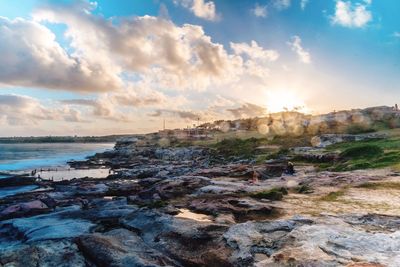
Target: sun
<point x="284" y="100"/>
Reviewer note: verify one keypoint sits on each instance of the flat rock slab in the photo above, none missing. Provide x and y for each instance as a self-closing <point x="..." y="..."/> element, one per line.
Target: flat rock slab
<point x="56" y="225"/>
<point x="121" y="247"/>
<point x="60" y="253"/>
<point x="14" y="190"/>
<point x="325" y="241"/>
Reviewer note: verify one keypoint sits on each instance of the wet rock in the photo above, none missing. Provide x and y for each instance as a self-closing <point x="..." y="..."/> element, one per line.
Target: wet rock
<point x="91" y="189"/>
<point x="61" y="253"/>
<point x="175" y="187"/>
<point x="243" y="209"/>
<point x="103" y="209"/>
<point x="15" y="190"/>
<point x="78" y="189"/>
<point x="148" y="182"/>
<point x="63" y="223"/>
<point x="17" y="181"/>
<point x="121" y="247"/>
<point x="192" y="243"/>
<point x="123" y="188"/>
<point x="26" y="208"/>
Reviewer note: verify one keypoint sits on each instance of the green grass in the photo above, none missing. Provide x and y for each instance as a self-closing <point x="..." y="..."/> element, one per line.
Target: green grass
<point x="272" y="194"/>
<point x="381" y="185"/>
<point x="244" y="148"/>
<point x="333" y="196"/>
<point x="304" y="189"/>
<point x="359" y="129"/>
<point x="371" y="154"/>
<point x="384" y="143"/>
<point x="365" y="151"/>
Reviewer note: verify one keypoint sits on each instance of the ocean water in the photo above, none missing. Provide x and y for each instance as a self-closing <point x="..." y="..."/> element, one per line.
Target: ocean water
<point x="14" y="157"/>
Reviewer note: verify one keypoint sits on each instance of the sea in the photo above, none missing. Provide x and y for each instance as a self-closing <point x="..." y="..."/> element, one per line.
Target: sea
<point x="50" y="161"/>
<point x="19" y="157"/>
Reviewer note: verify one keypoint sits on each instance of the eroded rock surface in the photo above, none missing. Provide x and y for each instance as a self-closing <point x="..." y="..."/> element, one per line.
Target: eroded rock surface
<point x="172" y="207"/>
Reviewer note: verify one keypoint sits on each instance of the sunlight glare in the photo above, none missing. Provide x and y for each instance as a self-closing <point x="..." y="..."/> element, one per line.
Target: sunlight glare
<point x="284" y="100"/>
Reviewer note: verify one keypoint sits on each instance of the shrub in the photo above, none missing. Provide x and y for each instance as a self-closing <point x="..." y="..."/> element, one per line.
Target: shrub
<point x="362" y="151"/>
<point x="304" y="189"/>
<point x="359" y="129"/>
<point x="333" y="196"/>
<point x="272" y="194"/>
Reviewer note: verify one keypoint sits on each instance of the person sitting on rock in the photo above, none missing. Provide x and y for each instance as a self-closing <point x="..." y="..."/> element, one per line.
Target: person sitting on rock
<point x="255" y="177"/>
<point x="290" y="168"/>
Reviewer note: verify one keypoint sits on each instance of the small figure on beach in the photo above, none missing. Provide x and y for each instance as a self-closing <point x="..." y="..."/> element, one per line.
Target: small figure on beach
<point x="290" y="168"/>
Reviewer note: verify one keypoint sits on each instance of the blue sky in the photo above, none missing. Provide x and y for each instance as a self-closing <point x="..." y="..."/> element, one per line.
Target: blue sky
<point x="123" y="66"/>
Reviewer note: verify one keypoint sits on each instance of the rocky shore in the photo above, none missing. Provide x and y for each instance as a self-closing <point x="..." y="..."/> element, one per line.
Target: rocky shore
<point x="182" y="206"/>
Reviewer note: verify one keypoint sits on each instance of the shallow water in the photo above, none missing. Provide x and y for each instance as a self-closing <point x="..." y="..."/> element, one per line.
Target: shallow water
<point x="68" y="174"/>
<point x="187" y="214"/>
<point x="28" y="156"/>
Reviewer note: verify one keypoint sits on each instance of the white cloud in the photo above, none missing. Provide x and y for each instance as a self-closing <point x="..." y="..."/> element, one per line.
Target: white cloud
<point x="135" y="65"/>
<point x="200" y="8"/>
<point x="148" y="46"/>
<point x="281" y="4"/>
<point x="248" y="110"/>
<point x="254" y="51"/>
<point x="260" y="11"/>
<point x="30" y="56"/>
<point x="25" y="110"/>
<point x="296" y="46"/>
<point x="396" y="34"/>
<point x="303" y="4"/>
<point x="352" y="16"/>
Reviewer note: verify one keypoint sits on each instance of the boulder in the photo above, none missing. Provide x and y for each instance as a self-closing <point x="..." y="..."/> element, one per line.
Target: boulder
<point x="190" y="242"/>
<point x="120" y="247"/>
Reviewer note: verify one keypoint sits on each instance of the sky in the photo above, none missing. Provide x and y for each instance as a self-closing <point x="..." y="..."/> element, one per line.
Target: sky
<point x="119" y="67"/>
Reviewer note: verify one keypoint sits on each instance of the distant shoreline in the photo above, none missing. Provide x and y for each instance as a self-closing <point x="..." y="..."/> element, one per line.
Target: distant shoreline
<point x="61" y="139"/>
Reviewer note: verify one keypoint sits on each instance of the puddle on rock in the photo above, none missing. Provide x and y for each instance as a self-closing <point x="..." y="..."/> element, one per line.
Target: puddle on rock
<point x="68" y="174"/>
<point x="187" y="214"/>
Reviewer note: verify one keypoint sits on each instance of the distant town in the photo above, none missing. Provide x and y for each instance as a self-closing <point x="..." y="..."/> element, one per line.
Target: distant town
<point x="281" y="123"/>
